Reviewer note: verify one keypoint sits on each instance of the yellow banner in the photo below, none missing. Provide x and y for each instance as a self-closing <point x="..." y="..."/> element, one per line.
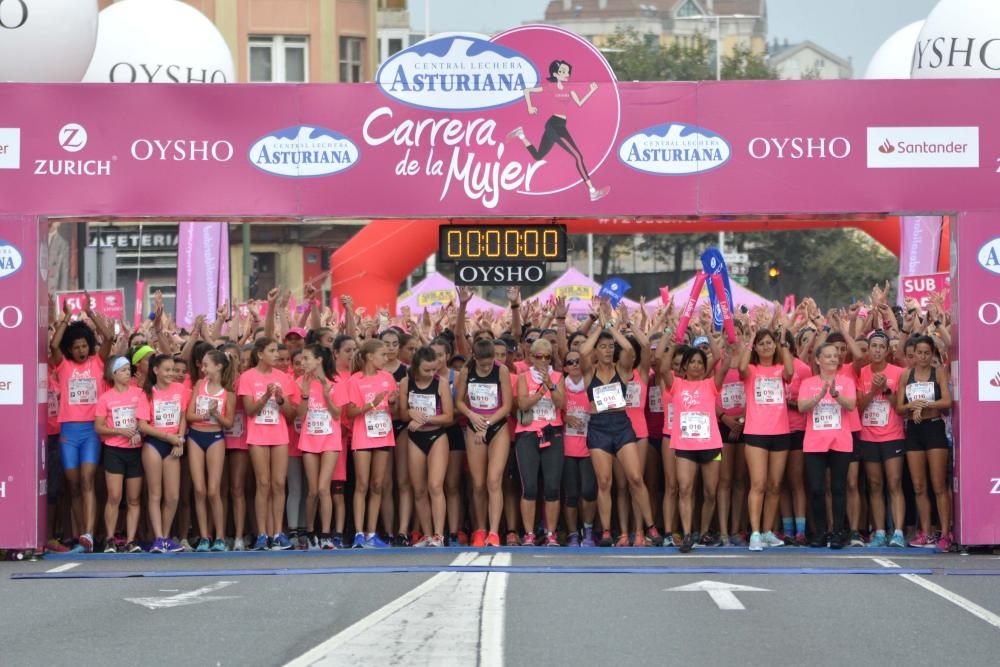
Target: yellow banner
<point x="575" y="292"/>
<point x="436" y="297"/>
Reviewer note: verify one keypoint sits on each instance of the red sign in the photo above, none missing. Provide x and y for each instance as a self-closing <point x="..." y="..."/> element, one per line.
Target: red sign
<point x="110" y="303"/>
<point x="922" y="287"/>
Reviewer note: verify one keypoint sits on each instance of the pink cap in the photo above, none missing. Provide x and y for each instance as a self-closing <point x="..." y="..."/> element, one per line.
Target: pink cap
<point x="298" y="331"/>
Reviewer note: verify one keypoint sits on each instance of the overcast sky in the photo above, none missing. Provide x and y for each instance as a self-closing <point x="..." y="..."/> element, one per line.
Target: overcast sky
<point x="853" y="28"/>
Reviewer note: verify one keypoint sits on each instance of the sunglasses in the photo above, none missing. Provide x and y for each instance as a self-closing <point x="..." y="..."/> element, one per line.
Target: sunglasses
<point x="543" y="356"/>
<point x="571" y="362"/>
<point x="529" y="341"/>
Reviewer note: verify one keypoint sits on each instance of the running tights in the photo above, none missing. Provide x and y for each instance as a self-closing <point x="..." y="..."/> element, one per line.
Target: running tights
<point x="296" y="501"/>
<point x="579" y="480"/>
<point x="556" y="133"/>
<point x="531" y="457"/>
<point x="816" y="465"/>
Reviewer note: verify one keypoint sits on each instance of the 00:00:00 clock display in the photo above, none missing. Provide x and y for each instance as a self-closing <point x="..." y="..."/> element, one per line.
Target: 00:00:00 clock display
<point x="507" y="244"/>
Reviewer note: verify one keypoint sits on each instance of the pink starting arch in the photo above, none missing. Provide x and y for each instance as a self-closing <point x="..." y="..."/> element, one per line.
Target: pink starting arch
<point x="434" y="137"/>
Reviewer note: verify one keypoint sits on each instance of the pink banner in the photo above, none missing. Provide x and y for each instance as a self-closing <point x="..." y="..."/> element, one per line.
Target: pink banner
<point x="919" y="247"/>
<point x="110" y="303"/>
<point x="23" y="382"/>
<point x="976" y="291"/>
<point x="682" y="326"/>
<point x="202" y="270"/>
<point x="922" y="287"/>
<point x="140" y="294"/>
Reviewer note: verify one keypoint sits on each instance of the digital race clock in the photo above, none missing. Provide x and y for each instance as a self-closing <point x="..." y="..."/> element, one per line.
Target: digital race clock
<point x="502" y="243"/>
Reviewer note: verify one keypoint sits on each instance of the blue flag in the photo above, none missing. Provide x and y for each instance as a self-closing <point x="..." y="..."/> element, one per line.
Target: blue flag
<point x="614" y="290"/>
<point x="712" y="262"/>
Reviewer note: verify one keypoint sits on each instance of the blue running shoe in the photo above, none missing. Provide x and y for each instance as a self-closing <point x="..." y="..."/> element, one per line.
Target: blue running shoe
<point x="375" y="542"/>
<point x="203" y="545"/>
<point x="171" y="547"/>
<point x="157" y="547"/>
<point x="280" y="543"/>
<point x="878" y="539"/>
<point x="898" y="540"/>
<point x="261" y="544"/>
<point x="338" y="541"/>
<point x="219" y="544"/>
<point x="359" y="541"/>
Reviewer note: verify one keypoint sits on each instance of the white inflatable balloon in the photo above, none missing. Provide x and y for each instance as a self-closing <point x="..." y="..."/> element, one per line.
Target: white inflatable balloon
<point x="960" y="40"/>
<point x="46" y="40"/>
<point x="894" y="58"/>
<point x="158" y="41"/>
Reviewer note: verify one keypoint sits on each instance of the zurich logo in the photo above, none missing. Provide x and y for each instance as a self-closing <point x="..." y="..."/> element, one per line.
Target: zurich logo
<point x="989" y="256"/>
<point x="10" y="259"/>
<point x="675" y="149"/>
<point x="457" y="73"/>
<point x="304" y="151"/>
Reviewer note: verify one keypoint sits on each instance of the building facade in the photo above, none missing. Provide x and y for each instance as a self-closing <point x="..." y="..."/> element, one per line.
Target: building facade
<point x="807" y="60"/>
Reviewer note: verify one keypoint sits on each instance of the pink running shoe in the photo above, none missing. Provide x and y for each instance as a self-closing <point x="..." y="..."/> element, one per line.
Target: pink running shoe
<point x="921" y="541"/>
<point x="944" y="542"/>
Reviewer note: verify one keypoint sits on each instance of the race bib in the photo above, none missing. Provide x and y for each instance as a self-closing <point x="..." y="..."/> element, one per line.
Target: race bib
<point x="876" y="414"/>
<point x="203" y="405"/>
<point x="544" y="410"/>
<point x="268" y="414"/>
<point x="695" y="426"/>
<point x="239" y="424"/>
<point x="318" y="422"/>
<point x="826" y="416"/>
<point x="768" y="391"/>
<point x="483" y="396"/>
<point x="920" y="391"/>
<point x="734" y="395"/>
<point x="53" y="397"/>
<point x="608" y="397"/>
<point x="82" y="391"/>
<point x="633" y="395"/>
<point x="581" y="430"/>
<point x="426" y="404"/>
<point x="377" y="424"/>
<point x="655" y="399"/>
<point x="167" y="414"/>
<point x="123" y="416"/>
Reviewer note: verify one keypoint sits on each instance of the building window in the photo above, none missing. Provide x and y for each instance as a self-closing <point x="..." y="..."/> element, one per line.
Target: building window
<point x="689" y="9"/>
<point x="351" y="66"/>
<point x="820" y="63"/>
<point x="395" y="45"/>
<point x="278" y="59"/>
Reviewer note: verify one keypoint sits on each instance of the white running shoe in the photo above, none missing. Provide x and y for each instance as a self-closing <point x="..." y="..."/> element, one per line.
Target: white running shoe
<point x="239" y="545"/>
<point x="516" y="133"/>
<point x="771" y="540"/>
<point x="756" y="543"/>
<point x="599" y="193"/>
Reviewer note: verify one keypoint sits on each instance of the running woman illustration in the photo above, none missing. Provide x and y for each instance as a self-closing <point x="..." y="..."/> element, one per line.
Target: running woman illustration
<point x="556" y="132"/>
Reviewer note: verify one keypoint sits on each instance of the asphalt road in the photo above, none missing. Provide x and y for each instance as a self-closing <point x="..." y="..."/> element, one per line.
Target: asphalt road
<point x="522" y="606"/>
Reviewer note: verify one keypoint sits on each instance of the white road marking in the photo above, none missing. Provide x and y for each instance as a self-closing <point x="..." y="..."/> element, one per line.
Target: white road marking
<point x="964" y="603"/>
<point x="722" y="593"/>
<point x="65" y="567"/>
<point x="183" y="599"/>
<point x="453" y="618"/>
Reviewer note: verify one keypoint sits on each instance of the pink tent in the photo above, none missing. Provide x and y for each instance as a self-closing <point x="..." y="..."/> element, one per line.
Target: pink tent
<point x="741" y="296"/>
<point x="435" y="292"/>
<point x="578" y="290"/>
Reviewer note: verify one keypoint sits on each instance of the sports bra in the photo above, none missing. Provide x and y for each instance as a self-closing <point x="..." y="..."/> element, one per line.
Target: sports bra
<point x="596" y="382"/>
<point x="911" y="379"/>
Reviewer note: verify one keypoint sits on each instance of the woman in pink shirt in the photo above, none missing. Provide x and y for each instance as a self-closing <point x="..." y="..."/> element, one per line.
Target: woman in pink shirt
<point x="579" y="482"/>
<point x="826" y="399"/>
<point x="320" y="439"/>
<point x="269" y="400"/>
<point x="766" y="368"/>
<point x="695" y="437"/>
<point x="161" y="457"/>
<point x="116" y="420"/>
<point x="373" y="396"/>
<point x="211" y="409"/>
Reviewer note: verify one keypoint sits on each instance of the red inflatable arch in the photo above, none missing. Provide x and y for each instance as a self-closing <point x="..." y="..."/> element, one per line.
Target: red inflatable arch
<point x="371" y="266"/>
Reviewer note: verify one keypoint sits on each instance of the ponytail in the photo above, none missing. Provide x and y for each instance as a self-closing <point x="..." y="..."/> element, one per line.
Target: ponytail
<point x="228" y="376"/>
<point x="368" y="347"/>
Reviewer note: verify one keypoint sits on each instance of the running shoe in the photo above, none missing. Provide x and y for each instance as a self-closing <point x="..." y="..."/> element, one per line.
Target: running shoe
<point x="800" y="539"/>
<point x="574" y="539"/>
<point x="203" y="545"/>
<point x="622" y="540"/>
<point x="944" y="542"/>
<point x="897" y="540"/>
<point x="437" y="541"/>
<point x="110" y="547"/>
<point x="359" y="541"/>
<point x="415" y="536"/>
<point x="463" y="538"/>
<point x="818" y="542"/>
<point x="855" y="539"/>
<point x="301" y="542"/>
<point x="756" y="542"/>
<point x="280" y="543"/>
<point x="56" y="547"/>
<point x="478" y="539"/>
<point x="326" y="543"/>
<point x="785" y="539"/>
<point x="687" y="544"/>
<point x="218" y="545"/>
<point x="654" y="537"/>
<point x="512" y="539"/>
<point x="552" y="541"/>
<point x="588" y="537"/>
<point x="87" y="542"/>
<point x="599" y="193"/>
<point x="261" y="543"/>
<point x="373" y="541"/>
<point x="921" y="541"/>
<point x="338" y="540"/>
<point x="401" y="540"/>
<point x="424" y="542"/>
<point x="493" y="540"/>
<point x="724" y="541"/>
<point x="516" y="133"/>
<point x="639" y="540"/>
<point x="606" y="540"/>
<point x="186" y="546"/>
<point x="836" y="540"/>
<point x="171" y="547"/>
<point x="77" y="549"/>
<point x="528" y="540"/>
<point x="771" y="540"/>
<point x="239" y="544"/>
<point x="738" y="539"/>
<point x="878" y="539"/>
<point x="710" y="539"/>
<point x="157" y="547"/>
<point x="132" y="548"/>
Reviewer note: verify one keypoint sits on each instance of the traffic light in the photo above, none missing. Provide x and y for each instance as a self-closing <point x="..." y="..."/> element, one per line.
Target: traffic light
<point x="773" y="273"/>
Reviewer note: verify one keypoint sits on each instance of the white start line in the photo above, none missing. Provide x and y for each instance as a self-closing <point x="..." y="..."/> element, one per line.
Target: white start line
<point x="452" y="619"/>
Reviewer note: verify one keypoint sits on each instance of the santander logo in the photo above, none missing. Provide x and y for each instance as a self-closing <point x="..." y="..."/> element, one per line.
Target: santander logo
<point x="887" y="147"/>
<point x="995" y="381"/>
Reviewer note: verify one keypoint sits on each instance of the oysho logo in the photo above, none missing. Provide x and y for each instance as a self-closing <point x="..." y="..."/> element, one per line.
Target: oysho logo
<point x="10" y="259"/>
<point x="10" y="148"/>
<point x="923" y="147"/>
<point x="181" y="150"/>
<point x="989" y="256"/>
<point x="989" y="381"/>
<point x="10" y="317"/>
<point x="73" y="138"/>
<point x="304" y="151"/>
<point x="124" y="72"/>
<point x="675" y="149"/>
<point x="799" y="148"/>
<point x="457" y="73"/>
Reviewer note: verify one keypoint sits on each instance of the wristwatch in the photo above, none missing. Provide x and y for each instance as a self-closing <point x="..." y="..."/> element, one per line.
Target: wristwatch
<point x="834" y="393"/>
